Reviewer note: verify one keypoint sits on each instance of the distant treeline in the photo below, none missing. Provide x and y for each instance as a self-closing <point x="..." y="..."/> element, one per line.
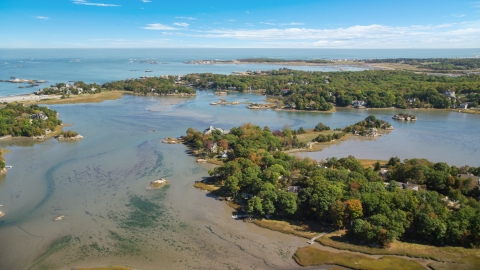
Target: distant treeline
<point x="440" y="64"/>
<point x="158" y="85"/>
<point x="305" y="90"/>
<point x="279" y="60"/>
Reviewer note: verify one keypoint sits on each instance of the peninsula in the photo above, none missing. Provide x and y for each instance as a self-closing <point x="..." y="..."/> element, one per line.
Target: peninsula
<point x="377" y="209"/>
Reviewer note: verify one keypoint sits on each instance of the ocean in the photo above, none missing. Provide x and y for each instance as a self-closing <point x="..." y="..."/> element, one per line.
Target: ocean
<point x="105" y="65"/>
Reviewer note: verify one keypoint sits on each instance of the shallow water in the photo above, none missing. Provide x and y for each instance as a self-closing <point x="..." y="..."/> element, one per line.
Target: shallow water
<point x="99" y="183"/>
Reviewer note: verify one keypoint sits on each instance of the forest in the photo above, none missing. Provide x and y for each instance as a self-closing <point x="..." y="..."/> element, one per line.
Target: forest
<point x="414" y="199"/>
<point x="305" y="90"/>
<point x="439" y="64"/>
<point x="19" y="120"/>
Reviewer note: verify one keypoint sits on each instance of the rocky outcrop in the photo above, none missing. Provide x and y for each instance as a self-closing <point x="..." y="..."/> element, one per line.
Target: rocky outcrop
<point x="75" y="138"/>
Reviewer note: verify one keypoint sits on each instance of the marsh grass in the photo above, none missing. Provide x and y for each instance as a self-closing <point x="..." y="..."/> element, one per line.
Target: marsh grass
<point x="309" y="256"/>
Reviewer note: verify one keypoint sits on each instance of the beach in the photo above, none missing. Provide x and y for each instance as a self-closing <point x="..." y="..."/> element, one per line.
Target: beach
<point x="28" y="98"/>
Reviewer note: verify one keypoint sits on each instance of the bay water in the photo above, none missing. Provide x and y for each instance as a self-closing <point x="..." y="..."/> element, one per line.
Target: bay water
<point x="99" y="183"/>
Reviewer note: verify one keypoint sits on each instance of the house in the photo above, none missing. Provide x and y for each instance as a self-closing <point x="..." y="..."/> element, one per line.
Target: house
<point x="359" y="103"/>
<point x="40" y="115"/>
<point x="213" y="148"/>
<point x="225" y="154"/>
<point x="410" y="186"/>
<point x="285" y="91"/>
<point x="383" y="173"/>
<point x="93" y="89"/>
<point x="294" y="189"/>
<point x="246" y="196"/>
<point x="411" y="100"/>
<point x="211" y="128"/>
<point x="80" y="90"/>
<point x="471" y="176"/>
<point x="463" y="106"/>
<point x="449" y="94"/>
<point x="451" y="203"/>
<point x="405" y="186"/>
<point x="232" y="88"/>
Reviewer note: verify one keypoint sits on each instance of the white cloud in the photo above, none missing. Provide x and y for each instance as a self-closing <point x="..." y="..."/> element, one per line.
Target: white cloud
<point x="231" y="20"/>
<point x="292" y="23"/>
<point x="268" y="23"/>
<point x="158" y="26"/>
<point x="458" y="15"/>
<point x="181" y="24"/>
<point x="146" y="1"/>
<point x="86" y="3"/>
<point x="42" y="17"/>
<point x="186" y="18"/>
<point x="359" y="36"/>
<point x="249" y="24"/>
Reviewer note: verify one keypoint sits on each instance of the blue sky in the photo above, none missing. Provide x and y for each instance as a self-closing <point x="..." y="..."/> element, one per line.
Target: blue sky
<point x="239" y="24"/>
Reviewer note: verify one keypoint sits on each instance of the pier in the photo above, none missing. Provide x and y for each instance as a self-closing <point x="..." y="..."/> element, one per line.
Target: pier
<point x="311" y="241"/>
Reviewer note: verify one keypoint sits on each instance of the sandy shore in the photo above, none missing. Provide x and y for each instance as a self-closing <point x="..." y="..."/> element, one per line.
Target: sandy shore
<point x="28" y="98"/>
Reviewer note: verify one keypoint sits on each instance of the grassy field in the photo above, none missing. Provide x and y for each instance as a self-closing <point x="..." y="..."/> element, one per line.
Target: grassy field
<point x="86" y="98"/>
<point x="445" y="256"/>
<point x="3" y="152"/>
<point x="371" y="162"/>
<point x="309" y="256"/>
<point x="303" y="230"/>
<point x="206" y="187"/>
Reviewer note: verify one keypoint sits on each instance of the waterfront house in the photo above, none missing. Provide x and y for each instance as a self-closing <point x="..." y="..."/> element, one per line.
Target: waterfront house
<point x="449" y="94"/>
<point x="359" y="104"/>
<point x="410" y="186"/>
<point x="232" y="88"/>
<point x="294" y="189"/>
<point x="285" y="91"/>
<point x="471" y="176"/>
<point x="209" y="130"/>
<point x="40" y="115"/>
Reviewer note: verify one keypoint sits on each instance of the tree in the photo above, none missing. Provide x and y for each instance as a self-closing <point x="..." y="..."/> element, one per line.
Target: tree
<point x="287" y="202"/>
<point x="337" y="213"/>
<point x="353" y="209"/>
<point x="255" y="207"/>
<point x="321" y="127"/>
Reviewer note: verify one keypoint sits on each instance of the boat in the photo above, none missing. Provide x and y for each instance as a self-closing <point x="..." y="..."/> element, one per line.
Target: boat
<point x="148" y="71"/>
<point x="213" y="103"/>
<point x="8" y="167"/>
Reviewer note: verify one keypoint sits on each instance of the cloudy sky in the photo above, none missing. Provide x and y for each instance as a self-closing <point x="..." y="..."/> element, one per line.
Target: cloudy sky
<point x="239" y="24"/>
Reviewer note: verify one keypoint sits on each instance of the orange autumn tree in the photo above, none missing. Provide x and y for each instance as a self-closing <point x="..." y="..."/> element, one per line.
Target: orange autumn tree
<point x="353" y="209"/>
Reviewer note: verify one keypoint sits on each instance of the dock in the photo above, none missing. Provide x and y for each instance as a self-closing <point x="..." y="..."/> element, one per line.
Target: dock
<point x="311" y="241"/>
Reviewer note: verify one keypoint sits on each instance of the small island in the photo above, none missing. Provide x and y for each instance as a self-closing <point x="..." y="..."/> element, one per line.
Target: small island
<point x="69" y="136"/>
<point x="404" y="117"/>
<point x="158" y="184"/>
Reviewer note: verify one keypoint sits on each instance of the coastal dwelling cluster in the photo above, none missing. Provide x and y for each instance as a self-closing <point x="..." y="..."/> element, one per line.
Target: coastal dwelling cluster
<point x="68" y="89"/>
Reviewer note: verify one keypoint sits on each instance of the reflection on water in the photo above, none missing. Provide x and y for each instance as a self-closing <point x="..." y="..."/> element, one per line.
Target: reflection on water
<point x="99" y="183"/>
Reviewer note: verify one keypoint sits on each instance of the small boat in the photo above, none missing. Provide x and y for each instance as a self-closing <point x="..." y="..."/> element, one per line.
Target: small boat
<point x="213" y="103"/>
<point x="148" y="71"/>
<point x="8" y="167"/>
<point x="59" y="218"/>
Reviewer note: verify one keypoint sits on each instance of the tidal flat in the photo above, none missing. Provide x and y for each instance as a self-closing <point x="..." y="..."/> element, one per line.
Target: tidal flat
<point x="99" y="185"/>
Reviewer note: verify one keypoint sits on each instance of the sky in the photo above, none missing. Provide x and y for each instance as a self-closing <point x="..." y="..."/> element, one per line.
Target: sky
<point x="368" y="24"/>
